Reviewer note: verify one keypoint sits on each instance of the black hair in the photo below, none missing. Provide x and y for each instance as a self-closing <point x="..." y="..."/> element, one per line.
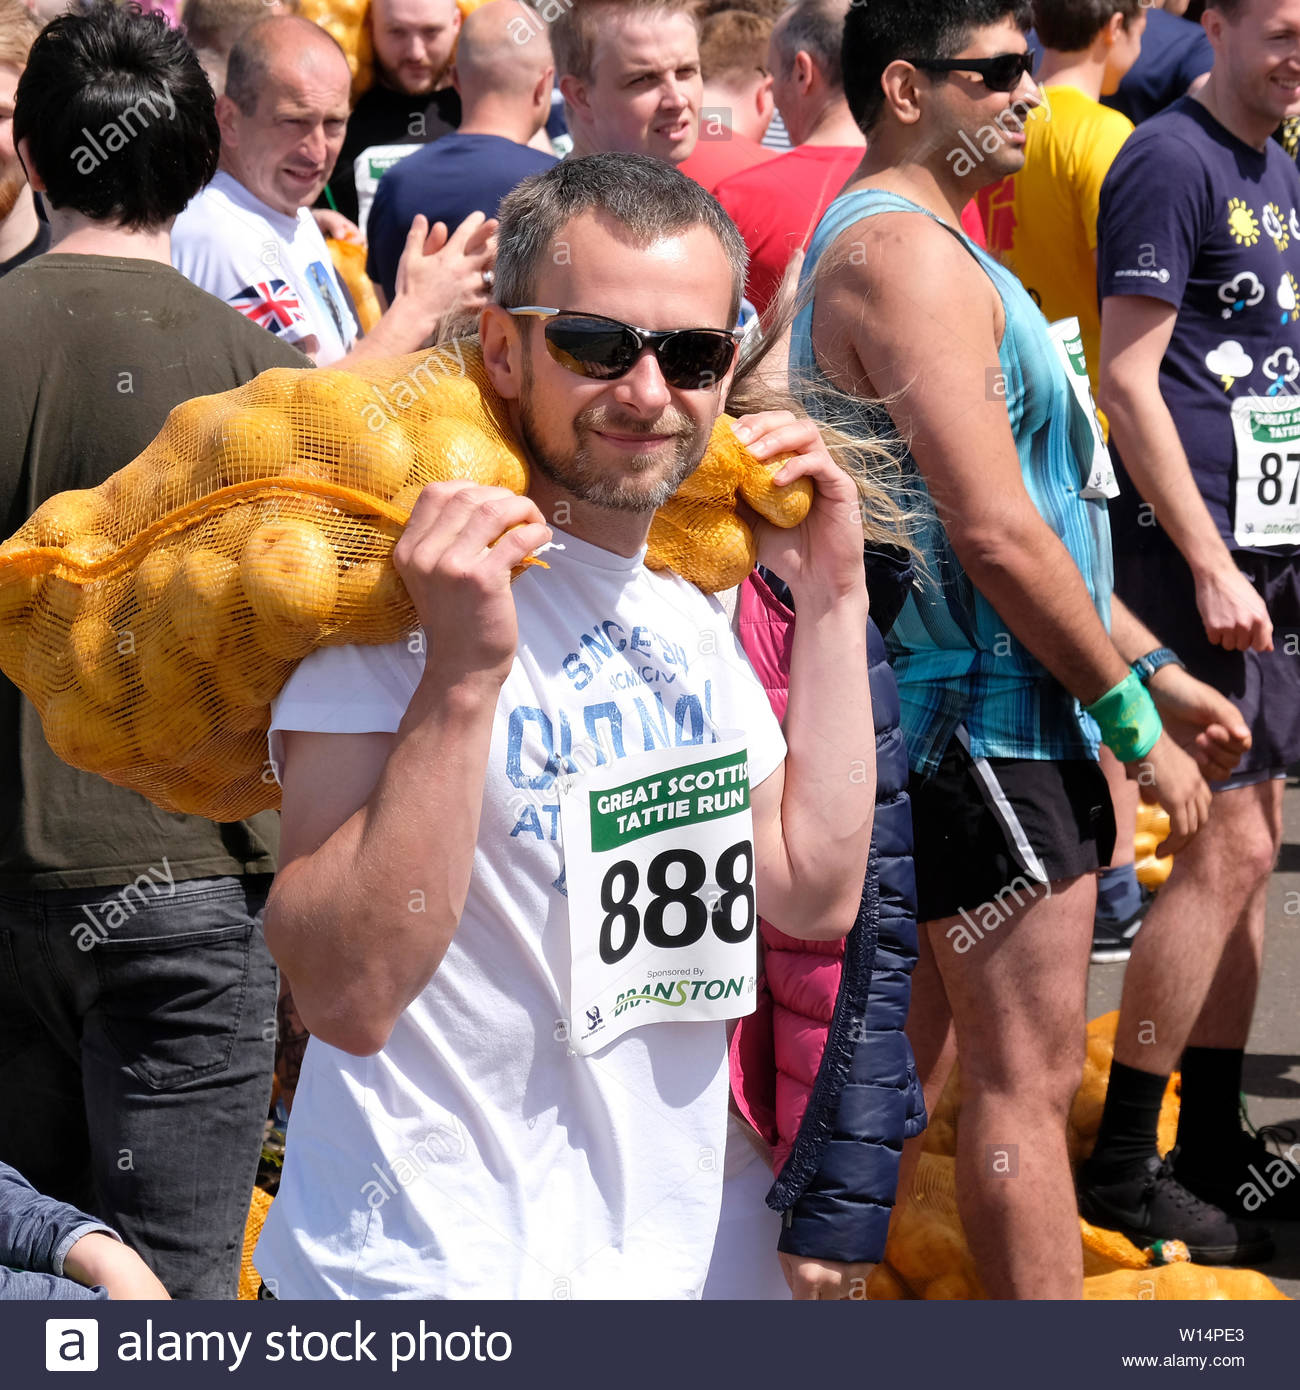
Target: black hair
<point x="119" y="117"/>
<point x="879" y="32"/>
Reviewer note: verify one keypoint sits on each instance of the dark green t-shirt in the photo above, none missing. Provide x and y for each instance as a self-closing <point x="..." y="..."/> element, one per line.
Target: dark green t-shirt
<point x="94" y="353"/>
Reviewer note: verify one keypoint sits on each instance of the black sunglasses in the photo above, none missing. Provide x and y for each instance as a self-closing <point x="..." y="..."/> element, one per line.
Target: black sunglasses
<point x="1001" y="73"/>
<point x="691" y="359"/>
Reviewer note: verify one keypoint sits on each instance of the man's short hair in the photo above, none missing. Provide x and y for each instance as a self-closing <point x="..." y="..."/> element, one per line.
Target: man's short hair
<point x="815" y="27"/>
<point x="879" y="32"/>
<point x="18" y="31"/>
<point x="765" y="9"/>
<point x="1067" y="26"/>
<point x="575" y="30"/>
<point x="118" y="115"/>
<point x="216" y="24"/>
<point x="249" y="66"/>
<point x="648" y="196"/>
<point x="733" y="46"/>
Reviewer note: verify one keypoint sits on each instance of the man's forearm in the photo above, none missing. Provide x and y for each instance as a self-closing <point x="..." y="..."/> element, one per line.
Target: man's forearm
<point x="1030" y="578"/>
<point x="830" y="771"/>
<point x="362" y="924"/>
<point x="1147" y="439"/>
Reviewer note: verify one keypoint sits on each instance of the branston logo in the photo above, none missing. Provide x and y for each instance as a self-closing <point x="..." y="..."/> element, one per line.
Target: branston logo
<point x="114" y="135"/>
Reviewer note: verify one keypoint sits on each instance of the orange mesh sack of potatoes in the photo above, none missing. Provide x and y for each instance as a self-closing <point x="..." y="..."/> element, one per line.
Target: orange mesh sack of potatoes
<point x="152" y="619"/>
<point x="926" y="1255"/>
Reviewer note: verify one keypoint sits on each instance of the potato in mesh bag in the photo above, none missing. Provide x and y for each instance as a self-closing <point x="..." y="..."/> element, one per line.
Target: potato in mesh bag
<point x="153" y="619"/>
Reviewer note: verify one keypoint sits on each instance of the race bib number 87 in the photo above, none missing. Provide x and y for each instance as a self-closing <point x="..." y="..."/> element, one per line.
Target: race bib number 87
<point x="659" y="872"/>
<point x="1266" y="507"/>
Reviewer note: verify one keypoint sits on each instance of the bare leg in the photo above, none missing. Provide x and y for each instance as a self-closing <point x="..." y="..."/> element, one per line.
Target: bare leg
<point x="1195" y="964"/>
<point x="1124" y="798"/>
<point x="1018" y="1002"/>
<point x="934" y="1046"/>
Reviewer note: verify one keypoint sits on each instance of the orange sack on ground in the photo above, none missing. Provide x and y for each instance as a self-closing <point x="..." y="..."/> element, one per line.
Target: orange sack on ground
<point x="927" y="1256"/>
<point x="152" y="619"/>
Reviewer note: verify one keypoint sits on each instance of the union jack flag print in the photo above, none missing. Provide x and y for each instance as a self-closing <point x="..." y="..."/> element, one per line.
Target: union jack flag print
<point x="270" y="303"/>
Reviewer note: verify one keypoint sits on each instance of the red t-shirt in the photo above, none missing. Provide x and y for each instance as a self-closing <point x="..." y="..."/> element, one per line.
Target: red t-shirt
<point x="713" y="160"/>
<point x="778" y="204"/>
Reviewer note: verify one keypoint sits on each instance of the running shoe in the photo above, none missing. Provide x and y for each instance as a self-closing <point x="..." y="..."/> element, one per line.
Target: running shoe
<point x="1150" y="1204"/>
<point x="1112" y="939"/>
<point x="1246" y="1179"/>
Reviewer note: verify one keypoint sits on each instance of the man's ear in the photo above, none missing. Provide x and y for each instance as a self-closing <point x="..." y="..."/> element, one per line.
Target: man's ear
<point x="498" y="334"/>
<point x="575" y="94"/>
<point x="228" y="115"/>
<point x="24" y="151"/>
<point x="764" y="102"/>
<point x="545" y="85"/>
<point x="1112" y="29"/>
<point x="902" y="90"/>
<point x="805" y="72"/>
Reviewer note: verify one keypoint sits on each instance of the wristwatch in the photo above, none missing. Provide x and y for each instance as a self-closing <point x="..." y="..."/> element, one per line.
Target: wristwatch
<point x="1146" y="666"/>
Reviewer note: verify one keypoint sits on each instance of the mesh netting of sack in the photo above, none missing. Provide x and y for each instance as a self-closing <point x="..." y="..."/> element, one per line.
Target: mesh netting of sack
<point x="152" y="619"/>
<point x="927" y="1256"/>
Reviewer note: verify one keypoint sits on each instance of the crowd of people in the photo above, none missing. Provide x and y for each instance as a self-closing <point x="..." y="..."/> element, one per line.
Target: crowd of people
<point x="906" y="245"/>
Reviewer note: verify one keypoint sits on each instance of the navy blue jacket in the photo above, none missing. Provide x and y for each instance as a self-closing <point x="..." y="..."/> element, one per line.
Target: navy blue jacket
<point x="836" y="1188"/>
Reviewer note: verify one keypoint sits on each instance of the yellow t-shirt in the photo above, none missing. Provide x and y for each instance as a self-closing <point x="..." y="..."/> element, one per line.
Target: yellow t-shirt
<point x="1042" y="222"/>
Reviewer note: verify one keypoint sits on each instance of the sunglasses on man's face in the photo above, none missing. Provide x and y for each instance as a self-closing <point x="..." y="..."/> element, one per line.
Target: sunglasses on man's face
<point x="604" y="349"/>
<point x="1001" y="73"/>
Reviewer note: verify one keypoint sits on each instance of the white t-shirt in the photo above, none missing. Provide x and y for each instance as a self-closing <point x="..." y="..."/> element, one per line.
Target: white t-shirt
<point x="273" y="268"/>
<point x="477" y="1156"/>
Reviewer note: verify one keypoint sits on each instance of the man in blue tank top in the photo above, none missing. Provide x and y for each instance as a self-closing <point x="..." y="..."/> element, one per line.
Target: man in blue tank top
<point x="1014" y="634"/>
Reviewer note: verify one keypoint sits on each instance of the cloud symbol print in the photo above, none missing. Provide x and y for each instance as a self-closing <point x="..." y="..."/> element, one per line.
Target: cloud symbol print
<point x="1229" y="361"/>
<point x="1241" y="292"/>
<point x="1282" y="368"/>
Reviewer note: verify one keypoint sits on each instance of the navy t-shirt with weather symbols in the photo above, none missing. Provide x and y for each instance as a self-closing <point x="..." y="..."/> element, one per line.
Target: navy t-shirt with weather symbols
<point x="1193" y="216"/>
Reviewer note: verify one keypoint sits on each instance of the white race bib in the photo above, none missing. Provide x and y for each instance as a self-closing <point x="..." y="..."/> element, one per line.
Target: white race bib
<point x="1068" y="342"/>
<point x="1266" y="508"/>
<point x="659" y="872"/>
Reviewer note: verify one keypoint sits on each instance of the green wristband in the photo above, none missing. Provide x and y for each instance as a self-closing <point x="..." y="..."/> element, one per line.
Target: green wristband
<point x="1128" y="719"/>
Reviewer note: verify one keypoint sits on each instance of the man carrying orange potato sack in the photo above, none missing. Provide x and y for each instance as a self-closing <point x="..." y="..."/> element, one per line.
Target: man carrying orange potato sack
<point x="523" y="854"/>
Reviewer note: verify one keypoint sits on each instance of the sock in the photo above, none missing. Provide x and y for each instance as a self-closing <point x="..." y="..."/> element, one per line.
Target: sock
<point x="1127" y="1137"/>
<point x="1119" y="894"/>
<point x="1209" y="1114"/>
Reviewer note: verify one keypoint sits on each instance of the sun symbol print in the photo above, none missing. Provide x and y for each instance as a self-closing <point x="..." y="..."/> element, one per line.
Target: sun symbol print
<point x="1242" y="223"/>
<point x="1275" y="226"/>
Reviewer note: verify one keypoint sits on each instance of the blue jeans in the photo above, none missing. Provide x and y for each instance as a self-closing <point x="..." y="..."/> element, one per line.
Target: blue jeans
<point x="137" y="1038"/>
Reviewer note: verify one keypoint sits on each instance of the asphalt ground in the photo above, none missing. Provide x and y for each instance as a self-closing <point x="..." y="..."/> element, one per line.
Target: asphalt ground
<point x="1272" y="1072"/>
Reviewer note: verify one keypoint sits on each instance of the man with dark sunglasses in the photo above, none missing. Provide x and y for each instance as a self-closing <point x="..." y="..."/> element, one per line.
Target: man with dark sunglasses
<point x="519" y="891"/>
<point x="1008" y="636"/>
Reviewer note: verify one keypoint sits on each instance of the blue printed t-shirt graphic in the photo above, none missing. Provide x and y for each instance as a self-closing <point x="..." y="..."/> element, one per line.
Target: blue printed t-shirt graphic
<point x="1193" y="216"/>
<point x="955" y="657"/>
<point x="648" y="668"/>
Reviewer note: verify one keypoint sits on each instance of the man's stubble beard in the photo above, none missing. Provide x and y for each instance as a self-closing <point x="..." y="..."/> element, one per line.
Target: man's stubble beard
<point x="577" y="474"/>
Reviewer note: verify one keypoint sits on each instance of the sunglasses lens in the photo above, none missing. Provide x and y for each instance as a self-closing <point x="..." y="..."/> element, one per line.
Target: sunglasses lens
<point x="695" y="359"/>
<point x="592" y="347"/>
<point x="1006" y="71"/>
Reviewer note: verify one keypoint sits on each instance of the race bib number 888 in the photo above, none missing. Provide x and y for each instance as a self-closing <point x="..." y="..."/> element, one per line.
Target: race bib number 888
<point x="659" y="872"/>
